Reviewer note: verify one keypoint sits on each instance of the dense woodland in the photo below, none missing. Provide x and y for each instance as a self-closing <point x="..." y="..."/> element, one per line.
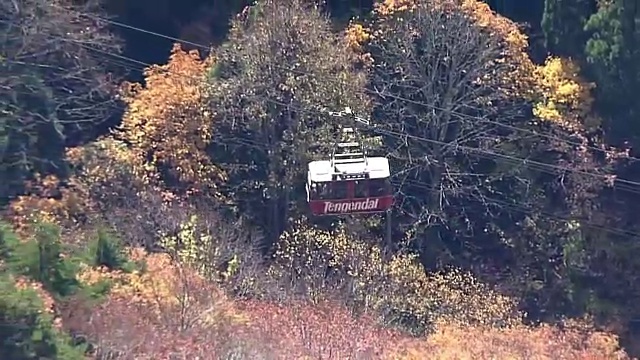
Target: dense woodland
<point x="153" y="159"/>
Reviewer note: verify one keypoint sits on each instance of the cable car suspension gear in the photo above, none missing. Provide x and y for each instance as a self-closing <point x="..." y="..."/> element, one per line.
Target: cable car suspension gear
<point x="349" y="181"/>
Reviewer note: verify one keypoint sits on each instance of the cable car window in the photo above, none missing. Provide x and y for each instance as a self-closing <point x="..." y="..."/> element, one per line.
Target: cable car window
<point x="339" y="190"/>
<point x="377" y="187"/>
<point x="313" y="191"/>
<point x="361" y="190"/>
<point x="319" y="190"/>
<point x="324" y="191"/>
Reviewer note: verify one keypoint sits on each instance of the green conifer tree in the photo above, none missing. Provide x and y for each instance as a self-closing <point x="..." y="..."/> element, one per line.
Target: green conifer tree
<point x="563" y="24"/>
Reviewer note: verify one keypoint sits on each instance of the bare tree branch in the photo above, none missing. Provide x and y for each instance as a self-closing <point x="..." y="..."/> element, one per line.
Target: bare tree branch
<point x="443" y="58"/>
<point x="53" y="90"/>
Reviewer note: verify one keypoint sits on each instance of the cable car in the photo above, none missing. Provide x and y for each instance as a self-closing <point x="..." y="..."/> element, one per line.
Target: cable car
<point x="349" y="182"/>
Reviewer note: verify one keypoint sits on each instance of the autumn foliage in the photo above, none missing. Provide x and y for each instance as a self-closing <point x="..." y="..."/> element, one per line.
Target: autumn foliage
<point x="317" y="262"/>
<point x="167" y="123"/>
<point x="163" y="311"/>
<point x="188" y="281"/>
<point x="169" y="311"/>
<point x="161" y="308"/>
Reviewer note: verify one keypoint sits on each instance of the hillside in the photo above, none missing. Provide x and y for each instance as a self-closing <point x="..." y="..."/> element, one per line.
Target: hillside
<point x="185" y="231"/>
<point x="130" y="304"/>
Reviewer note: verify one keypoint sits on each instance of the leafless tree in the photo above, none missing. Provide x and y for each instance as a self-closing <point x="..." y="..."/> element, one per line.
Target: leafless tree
<point x="439" y="77"/>
<point x="53" y="82"/>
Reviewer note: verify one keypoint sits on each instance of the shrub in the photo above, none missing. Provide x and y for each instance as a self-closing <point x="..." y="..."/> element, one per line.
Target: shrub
<point x="314" y="261"/>
<point x="108" y="173"/>
<point x="224" y="252"/>
<point x="303" y="330"/>
<point x="47" y="200"/>
<point x="165" y="310"/>
<point x="520" y="342"/>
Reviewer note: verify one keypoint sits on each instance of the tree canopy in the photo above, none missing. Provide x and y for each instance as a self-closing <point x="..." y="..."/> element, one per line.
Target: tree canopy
<point x="55" y="89"/>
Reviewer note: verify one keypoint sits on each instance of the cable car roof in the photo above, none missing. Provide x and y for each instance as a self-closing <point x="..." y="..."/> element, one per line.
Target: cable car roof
<point x="376" y="167"/>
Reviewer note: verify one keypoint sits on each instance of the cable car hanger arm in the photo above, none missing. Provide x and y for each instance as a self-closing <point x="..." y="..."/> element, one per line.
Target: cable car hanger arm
<point x="347" y="111"/>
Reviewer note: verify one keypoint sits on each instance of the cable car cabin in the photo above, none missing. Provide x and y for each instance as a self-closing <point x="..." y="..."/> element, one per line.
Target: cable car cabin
<point x="349" y="186"/>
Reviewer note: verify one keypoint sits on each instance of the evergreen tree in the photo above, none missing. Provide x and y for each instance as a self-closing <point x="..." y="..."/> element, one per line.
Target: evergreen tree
<point x="26" y="331"/>
<point x="563" y="24"/>
<point x="613" y="54"/>
<point x="41" y="260"/>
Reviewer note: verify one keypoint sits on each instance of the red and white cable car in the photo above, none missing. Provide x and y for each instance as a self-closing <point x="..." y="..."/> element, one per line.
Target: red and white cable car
<point x="349" y="182"/>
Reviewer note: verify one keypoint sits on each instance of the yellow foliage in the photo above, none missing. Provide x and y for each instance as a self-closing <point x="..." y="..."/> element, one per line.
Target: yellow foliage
<point x="167" y="120"/>
<point x="190" y="246"/>
<point x="389" y="7"/>
<point x="399" y="285"/>
<point x="356" y="35"/>
<point x="155" y="287"/>
<point x="519" y="342"/>
<point x="200" y="251"/>
<point x="564" y="96"/>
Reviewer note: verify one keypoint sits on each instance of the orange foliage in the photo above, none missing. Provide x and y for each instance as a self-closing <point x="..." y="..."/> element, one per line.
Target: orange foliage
<point x="165" y="131"/>
<point x="48" y="200"/>
<point x="168" y="122"/>
<point x="515" y="46"/>
<point x="536" y="343"/>
<point x="159" y="288"/>
<point x="302" y="330"/>
<point x="165" y="310"/>
<point x="168" y="310"/>
<point x="478" y="10"/>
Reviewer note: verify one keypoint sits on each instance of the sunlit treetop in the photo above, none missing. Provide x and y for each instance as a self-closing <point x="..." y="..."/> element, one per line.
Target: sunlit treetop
<point x="557" y="91"/>
<point x="478" y="10"/>
<point x="513" y="42"/>
<point x="168" y="121"/>
<point x="388" y="7"/>
<point x="565" y="96"/>
<point x="356" y="35"/>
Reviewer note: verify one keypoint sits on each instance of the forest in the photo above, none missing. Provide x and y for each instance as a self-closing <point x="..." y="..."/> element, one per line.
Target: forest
<point x="154" y="158"/>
